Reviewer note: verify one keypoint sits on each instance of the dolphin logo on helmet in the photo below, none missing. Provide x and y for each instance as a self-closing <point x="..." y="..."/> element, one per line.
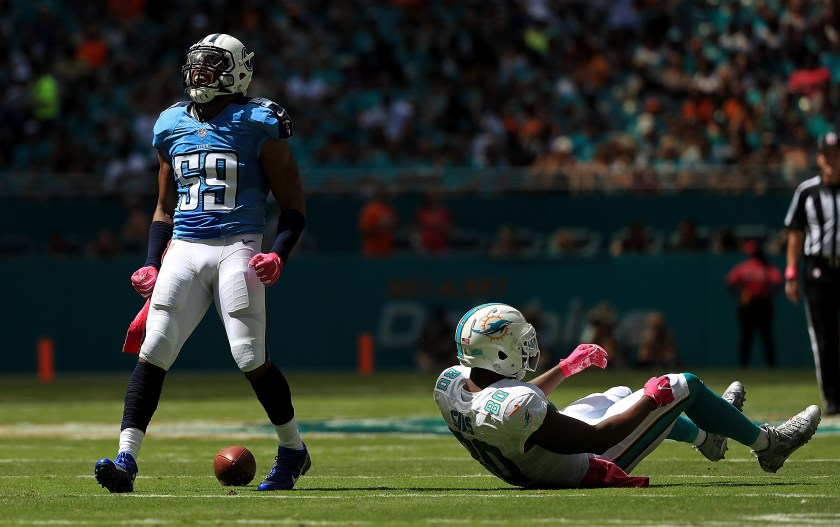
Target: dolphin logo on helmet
<point x="497" y="337"/>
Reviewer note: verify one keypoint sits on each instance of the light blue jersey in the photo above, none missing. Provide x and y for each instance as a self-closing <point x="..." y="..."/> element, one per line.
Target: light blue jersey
<point x="221" y="186"/>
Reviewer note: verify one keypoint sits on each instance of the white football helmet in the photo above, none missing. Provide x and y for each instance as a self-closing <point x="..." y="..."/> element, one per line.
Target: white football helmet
<point x="217" y="64"/>
<point x="497" y="337"/>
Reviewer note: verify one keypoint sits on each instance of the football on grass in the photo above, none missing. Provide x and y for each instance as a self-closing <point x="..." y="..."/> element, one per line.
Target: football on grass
<point x="235" y="465"/>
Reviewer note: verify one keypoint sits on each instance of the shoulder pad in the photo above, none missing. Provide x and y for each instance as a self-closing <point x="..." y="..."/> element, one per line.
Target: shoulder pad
<point x="180" y="104"/>
<point x="271" y="114"/>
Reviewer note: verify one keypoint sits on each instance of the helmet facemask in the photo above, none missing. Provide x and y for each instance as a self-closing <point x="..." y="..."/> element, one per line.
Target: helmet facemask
<point x="529" y="350"/>
<point x="218" y="64"/>
<point x="207" y="72"/>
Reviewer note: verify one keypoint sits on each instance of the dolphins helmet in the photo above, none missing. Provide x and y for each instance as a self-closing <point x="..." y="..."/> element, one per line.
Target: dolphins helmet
<point x="216" y="64"/>
<point x="497" y="337"/>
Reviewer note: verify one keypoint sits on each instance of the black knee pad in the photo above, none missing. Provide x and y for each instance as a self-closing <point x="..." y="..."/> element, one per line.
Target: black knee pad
<point x="142" y="396"/>
<point x="274" y="394"/>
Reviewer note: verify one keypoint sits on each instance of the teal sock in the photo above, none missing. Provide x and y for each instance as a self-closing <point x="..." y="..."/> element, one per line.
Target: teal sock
<point x="684" y="430"/>
<point x="715" y="415"/>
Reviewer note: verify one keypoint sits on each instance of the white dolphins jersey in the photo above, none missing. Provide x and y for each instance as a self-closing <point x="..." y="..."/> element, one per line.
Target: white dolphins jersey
<point x="494" y="424"/>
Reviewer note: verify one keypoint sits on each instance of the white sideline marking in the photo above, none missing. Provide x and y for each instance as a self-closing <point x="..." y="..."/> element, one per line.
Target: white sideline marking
<point x="198" y="429"/>
<point x="177" y="429"/>
<point x="779" y="519"/>
<point x="248" y="494"/>
<point x="259" y="495"/>
<point x="156" y="521"/>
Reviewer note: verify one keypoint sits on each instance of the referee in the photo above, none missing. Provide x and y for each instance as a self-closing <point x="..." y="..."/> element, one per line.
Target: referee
<point x="812" y="227"/>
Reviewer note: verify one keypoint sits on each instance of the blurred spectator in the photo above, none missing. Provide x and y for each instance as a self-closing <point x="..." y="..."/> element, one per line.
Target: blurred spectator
<point x="134" y="235"/>
<point x="92" y="49"/>
<point x="45" y="97"/>
<point x="60" y="245"/>
<point x="688" y="238"/>
<point x="546" y="172"/>
<point x="393" y="86"/>
<point x="378" y="224"/>
<point x="753" y="283"/>
<point x="600" y="329"/>
<point x="432" y="224"/>
<point x="434" y="352"/>
<point x="533" y="314"/>
<point x="810" y="79"/>
<point x="561" y="243"/>
<point x="634" y="239"/>
<point x="724" y="240"/>
<point x="657" y="348"/>
<point x="105" y="245"/>
<point x="778" y="242"/>
<point x="504" y="245"/>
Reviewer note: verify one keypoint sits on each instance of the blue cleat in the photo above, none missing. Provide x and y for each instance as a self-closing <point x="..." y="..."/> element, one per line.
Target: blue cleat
<point x="289" y="465"/>
<point x="117" y="475"/>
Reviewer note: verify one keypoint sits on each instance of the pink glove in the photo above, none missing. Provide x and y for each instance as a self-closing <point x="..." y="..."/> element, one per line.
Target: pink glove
<point x="659" y="389"/>
<point x="268" y="267"/>
<point x="584" y="356"/>
<point x="143" y="280"/>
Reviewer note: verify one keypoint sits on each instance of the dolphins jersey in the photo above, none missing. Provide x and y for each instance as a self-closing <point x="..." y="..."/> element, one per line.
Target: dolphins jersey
<point x="221" y="186"/>
<point x="494" y="424"/>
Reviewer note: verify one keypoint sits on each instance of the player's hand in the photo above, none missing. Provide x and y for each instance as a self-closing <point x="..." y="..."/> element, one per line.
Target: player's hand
<point x="659" y="389"/>
<point x="792" y="290"/>
<point x="143" y="280"/>
<point x="584" y="356"/>
<point x="268" y="267"/>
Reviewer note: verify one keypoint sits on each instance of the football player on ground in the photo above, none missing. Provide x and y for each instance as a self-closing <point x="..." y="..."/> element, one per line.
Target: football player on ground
<point x="220" y="155"/>
<point x="511" y="428"/>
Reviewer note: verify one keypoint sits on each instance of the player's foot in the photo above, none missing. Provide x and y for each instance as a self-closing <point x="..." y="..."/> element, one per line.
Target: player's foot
<point x="117" y="475"/>
<point x="714" y="447"/>
<point x="787" y="437"/>
<point x="289" y="465"/>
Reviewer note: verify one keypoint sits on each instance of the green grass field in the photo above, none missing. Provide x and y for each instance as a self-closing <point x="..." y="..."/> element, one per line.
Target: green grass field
<point x="380" y="457"/>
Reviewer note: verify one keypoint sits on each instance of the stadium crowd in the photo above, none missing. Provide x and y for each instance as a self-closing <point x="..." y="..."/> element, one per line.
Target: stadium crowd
<point x="615" y="94"/>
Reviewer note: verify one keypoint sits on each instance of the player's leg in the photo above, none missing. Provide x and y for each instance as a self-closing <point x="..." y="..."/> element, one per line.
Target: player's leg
<point x="668" y="423"/>
<point x="179" y="302"/>
<point x="771" y="444"/>
<point x="652" y="431"/>
<point x="821" y="308"/>
<point x="592" y="408"/>
<point x="745" y="321"/>
<point x="712" y="446"/>
<point x="240" y="301"/>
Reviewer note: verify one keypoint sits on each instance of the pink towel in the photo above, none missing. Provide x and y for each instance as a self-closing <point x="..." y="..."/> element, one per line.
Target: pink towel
<point x="137" y="330"/>
<point x="603" y="473"/>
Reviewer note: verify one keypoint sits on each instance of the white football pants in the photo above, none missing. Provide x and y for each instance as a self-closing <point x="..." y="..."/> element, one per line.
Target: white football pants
<point x="194" y="274"/>
<point x="597" y="407"/>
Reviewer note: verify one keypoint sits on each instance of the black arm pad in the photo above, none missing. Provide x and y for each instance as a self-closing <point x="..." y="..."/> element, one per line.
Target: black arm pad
<point x="160" y="233"/>
<point x="290" y="225"/>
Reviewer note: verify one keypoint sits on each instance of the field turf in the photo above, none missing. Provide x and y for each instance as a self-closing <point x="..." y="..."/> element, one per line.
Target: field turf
<point x="380" y="457"/>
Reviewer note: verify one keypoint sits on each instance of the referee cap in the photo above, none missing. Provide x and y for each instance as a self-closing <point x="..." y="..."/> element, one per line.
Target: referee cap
<point x="828" y="140"/>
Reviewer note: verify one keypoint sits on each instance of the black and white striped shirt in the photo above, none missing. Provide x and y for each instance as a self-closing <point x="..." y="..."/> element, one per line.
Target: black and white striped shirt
<point x="815" y="209"/>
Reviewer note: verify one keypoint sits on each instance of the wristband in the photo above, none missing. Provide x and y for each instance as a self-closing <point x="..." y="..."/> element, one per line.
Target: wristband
<point x="790" y="273"/>
<point x="290" y="225"/>
<point x="160" y="233"/>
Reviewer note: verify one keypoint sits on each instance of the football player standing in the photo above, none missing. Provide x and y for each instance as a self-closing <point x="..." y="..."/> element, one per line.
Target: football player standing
<point x="220" y="155"/>
<point x="511" y="428"/>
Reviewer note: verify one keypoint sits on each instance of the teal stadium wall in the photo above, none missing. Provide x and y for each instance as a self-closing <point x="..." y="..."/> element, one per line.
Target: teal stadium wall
<point x="326" y="298"/>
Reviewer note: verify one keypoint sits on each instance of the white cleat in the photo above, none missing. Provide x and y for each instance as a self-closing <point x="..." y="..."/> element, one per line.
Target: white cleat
<point x="714" y="447"/>
<point x="787" y="437"/>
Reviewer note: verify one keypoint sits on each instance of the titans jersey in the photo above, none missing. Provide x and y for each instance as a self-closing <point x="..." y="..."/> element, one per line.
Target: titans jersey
<point x="221" y="186"/>
<point x="494" y="424"/>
